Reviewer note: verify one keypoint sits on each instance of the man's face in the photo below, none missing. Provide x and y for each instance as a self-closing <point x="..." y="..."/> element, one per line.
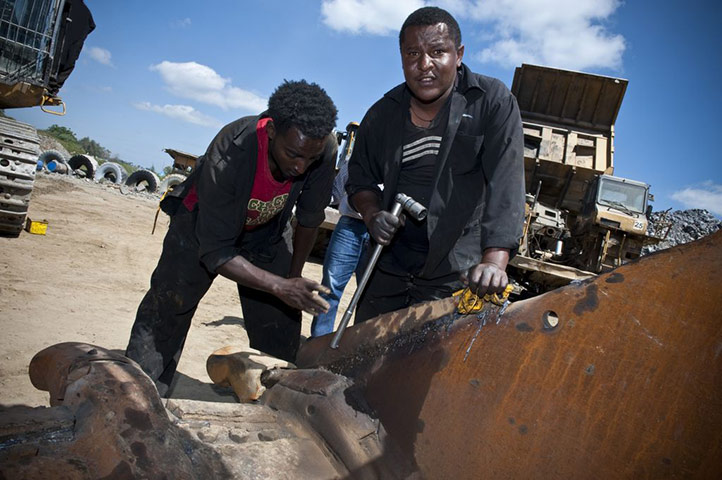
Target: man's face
<point x="430" y="59"/>
<point x="291" y="153"/>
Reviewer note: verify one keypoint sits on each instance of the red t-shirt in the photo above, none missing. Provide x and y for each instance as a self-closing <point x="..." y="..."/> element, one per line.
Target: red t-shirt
<point x="268" y="196"/>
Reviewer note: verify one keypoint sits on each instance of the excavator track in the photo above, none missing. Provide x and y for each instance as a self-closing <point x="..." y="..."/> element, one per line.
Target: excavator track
<point x="19" y="150"/>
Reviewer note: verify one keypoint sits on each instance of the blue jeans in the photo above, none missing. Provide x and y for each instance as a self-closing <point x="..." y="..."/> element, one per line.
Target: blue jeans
<point x="343" y="257"/>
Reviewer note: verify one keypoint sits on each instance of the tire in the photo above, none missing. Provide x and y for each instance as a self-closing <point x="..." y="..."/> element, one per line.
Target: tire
<point x="111" y="172"/>
<point x="49" y="155"/>
<point x="171" y="181"/>
<point x="19" y="149"/>
<point x="143" y="181"/>
<point x="83" y="165"/>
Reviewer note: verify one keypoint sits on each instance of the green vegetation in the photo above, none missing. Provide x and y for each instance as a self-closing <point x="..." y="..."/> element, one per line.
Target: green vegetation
<point x="66" y="137"/>
<point x="69" y="140"/>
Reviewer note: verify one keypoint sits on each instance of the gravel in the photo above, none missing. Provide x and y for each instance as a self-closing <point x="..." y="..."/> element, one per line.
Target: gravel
<point x="682" y="226"/>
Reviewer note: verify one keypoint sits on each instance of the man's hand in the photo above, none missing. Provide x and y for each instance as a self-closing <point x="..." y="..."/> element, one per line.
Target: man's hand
<point x="382" y="226"/>
<point x="485" y="278"/>
<point x="302" y="293"/>
<point x="297" y="292"/>
<point x="489" y="276"/>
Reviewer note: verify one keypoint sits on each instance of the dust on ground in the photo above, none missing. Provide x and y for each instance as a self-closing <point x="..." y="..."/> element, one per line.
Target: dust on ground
<point x="84" y="279"/>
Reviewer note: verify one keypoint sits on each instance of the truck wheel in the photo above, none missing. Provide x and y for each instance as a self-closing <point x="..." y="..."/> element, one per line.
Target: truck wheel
<point x="112" y="172"/>
<point x="171" y="181"/>
<point x="143" y="181"/>
<point x="19" y="149"/>
<point x="83" y="165"/>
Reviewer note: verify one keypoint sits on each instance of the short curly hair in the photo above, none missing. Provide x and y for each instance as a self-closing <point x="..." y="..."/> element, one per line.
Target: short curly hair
<point x="303" y="105"/>
<point x="425" y="16"/>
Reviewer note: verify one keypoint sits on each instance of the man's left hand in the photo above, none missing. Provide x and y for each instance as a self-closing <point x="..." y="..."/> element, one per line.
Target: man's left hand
<point x="485" y="278"/>
<point x="489" y="276"/>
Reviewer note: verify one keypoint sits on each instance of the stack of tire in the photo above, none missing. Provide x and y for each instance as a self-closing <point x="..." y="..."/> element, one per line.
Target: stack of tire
<point x="111" y="172"/>
<point x="171" y="180"/>
<point x="84" y="166"/>
<point x="53" y="161"/>
<point x="147" y="181"/>
<point x="143" y="181"/>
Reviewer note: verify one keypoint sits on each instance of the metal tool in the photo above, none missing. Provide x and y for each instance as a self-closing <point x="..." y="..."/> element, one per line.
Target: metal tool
<point x="401" y="202"/>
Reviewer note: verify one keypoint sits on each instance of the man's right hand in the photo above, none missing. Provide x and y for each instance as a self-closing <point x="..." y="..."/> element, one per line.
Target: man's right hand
<point x="382" y="226"/>
<point x="302" y="293"/>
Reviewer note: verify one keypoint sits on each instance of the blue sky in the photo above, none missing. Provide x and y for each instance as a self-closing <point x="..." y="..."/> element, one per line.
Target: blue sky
<point x="168" y="74"/>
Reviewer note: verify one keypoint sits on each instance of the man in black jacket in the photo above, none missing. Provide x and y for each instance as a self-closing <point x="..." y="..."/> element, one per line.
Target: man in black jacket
<point x="452" y="140"/>
<point x="231" y="217"/>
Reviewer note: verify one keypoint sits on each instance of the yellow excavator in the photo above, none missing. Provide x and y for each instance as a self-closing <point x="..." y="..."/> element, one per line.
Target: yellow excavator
<point x="40" y="40"/>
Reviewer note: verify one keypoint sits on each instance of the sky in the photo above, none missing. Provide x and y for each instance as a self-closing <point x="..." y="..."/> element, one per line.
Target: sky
<point x="168" y="74"/>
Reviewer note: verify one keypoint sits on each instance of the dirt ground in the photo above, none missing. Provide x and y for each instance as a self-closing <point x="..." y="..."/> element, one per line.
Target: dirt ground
<point x="84" y="279"/>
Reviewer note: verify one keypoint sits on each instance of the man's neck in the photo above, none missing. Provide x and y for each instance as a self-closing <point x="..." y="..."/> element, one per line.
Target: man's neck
<point x="430" y="109"/>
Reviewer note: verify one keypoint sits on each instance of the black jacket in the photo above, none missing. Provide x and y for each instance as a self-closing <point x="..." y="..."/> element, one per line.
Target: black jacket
<point x="224" y="179"/>
<point x="478" y="189"/>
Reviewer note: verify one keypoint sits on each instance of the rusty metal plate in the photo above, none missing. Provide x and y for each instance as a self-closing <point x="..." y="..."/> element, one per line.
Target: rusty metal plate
<point x="615" y="377"/>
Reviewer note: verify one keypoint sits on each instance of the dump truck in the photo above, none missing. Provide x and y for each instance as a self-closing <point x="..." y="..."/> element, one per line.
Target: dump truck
<point x="581" y="220"/>
<point x="183" y="165"/>
<point x="40" y="40"/>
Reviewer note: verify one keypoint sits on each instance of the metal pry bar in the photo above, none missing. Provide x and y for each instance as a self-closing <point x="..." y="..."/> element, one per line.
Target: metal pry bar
<point x="401" y="202"/>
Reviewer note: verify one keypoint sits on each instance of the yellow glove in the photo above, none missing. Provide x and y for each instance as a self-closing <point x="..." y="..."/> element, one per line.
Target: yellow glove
<point x="470" y="302"/>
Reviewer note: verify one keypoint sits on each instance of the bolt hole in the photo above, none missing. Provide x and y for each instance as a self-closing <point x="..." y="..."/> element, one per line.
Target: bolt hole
<point x="4" y="162"/>
<point x="311" y="409"/>
<point x="550" y="320"/>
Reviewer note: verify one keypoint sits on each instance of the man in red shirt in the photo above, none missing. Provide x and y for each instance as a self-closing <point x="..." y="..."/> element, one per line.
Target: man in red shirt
<point x="231" y="217"/>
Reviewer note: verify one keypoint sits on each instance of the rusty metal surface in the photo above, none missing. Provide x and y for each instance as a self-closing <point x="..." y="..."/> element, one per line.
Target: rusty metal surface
<point x="628" y="384"/>
<point x="333" y="410"/>
<point x="107" y="422"/>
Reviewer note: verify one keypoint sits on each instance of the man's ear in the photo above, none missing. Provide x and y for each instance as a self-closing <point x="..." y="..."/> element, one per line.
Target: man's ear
<point x="459" y="56"/>
<point x="270" y="130"/>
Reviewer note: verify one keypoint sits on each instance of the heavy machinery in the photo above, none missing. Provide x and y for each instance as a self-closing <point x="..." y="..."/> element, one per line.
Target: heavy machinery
<point x="346" y="139"/>
<point x="183" y="165"/>
<point x="40" y="40"/>
<point x="580" y="219"/>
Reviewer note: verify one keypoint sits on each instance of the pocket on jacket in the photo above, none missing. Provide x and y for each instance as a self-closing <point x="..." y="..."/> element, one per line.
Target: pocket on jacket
<point x="464" y="155"/>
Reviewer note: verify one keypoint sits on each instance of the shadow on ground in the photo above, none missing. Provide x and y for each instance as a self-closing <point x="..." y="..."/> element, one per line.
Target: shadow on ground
<point x="226" y="321"/>
<point x="189" y="388"/>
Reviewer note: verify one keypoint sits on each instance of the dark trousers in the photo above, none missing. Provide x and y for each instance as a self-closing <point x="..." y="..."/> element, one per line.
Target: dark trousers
<point x="387" y="292"/>
<point x="177" y="286"/>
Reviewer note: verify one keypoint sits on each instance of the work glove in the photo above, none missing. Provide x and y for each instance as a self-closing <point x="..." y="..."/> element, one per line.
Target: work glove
<point x="383" y="225"/>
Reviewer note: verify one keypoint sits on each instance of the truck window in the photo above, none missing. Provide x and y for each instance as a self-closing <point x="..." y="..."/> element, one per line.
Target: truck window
<point x="615" y="193"/>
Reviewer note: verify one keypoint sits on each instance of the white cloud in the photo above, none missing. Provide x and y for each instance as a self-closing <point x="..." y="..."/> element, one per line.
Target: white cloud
<point x="560" y="33"/>
<point x="180" y="112"/>
<point x="182" y="23"/>
<point x="707" y="196"/>
<point x="380" y="17"/>
<point x="100" y="55"/>
<point x="201" y="83"/>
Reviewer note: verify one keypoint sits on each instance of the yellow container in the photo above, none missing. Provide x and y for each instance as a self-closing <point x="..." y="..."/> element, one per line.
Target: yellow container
<point x="36" y="228"/>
